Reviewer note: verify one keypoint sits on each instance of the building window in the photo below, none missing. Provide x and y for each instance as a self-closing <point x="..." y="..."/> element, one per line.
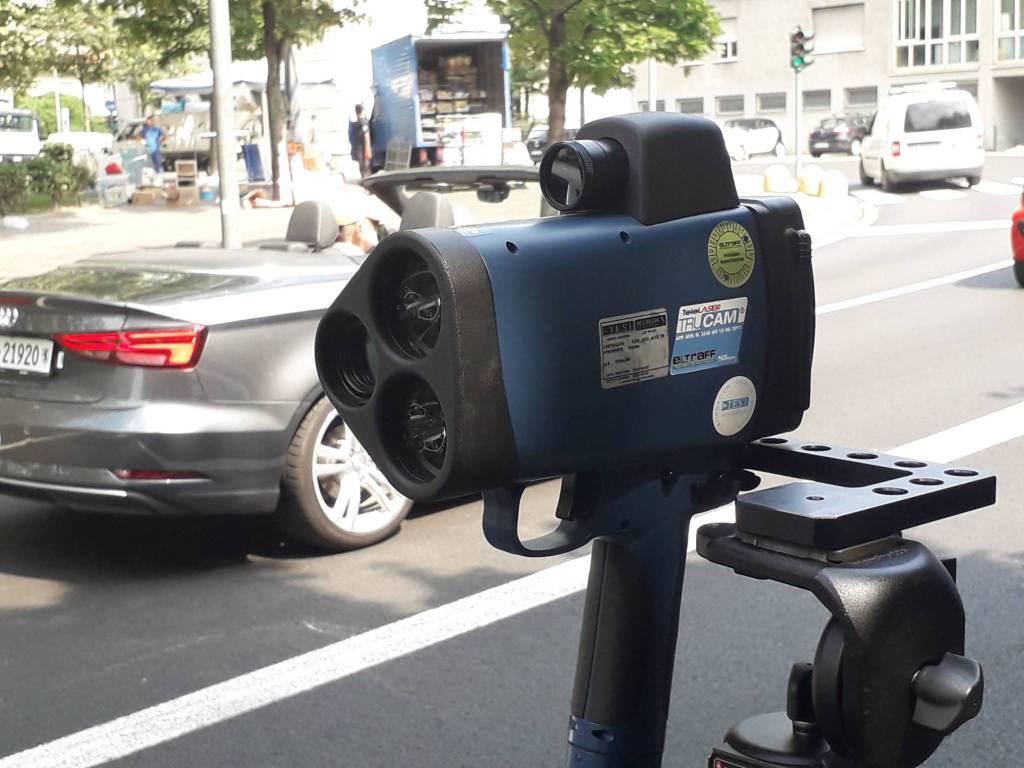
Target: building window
<point x="726" y="47"/>
<point x="820" y="99"/>
<point x="693" y="106"/>
<point x="729" y="105"/>
<point x="771" y="102"/>
<point x="936" y="33"/>
<point x="838" y="29"/>
<point x="641" y="106"/>
<point x="660" y="105"/>
<point x="1010" y="30"/>
<point x="861" y="99"/>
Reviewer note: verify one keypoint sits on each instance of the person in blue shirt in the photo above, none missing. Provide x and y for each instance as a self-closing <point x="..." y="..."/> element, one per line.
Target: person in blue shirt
<point x="153" y="135"/>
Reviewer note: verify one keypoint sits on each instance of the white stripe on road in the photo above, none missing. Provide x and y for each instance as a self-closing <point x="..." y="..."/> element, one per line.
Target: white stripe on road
<point x="938" y="227"/>
<point x="248" y="692"/>
<point x="1018" y="180"/>
<point x="301" y="674"/>
<point x="237" y="696"/>
<point x="968" y="438"/>
<point x="904" y="290"/>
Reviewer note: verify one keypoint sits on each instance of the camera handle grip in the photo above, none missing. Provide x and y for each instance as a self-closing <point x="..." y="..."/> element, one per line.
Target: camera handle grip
<point x="501" y="522"/>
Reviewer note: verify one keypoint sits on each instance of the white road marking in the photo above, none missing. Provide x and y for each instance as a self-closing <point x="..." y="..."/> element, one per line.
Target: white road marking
<point x="996" y="188"/>
<point x="942" y="194"/>
<point x="968" y="438"/>
<point x="938" y="227"/>
<point x="877" y="196"/>
<point x="1018" y="180"/>
<point x="243" y="694"/>
<point x="240" y="695"/>
<point x="904" y="290"/>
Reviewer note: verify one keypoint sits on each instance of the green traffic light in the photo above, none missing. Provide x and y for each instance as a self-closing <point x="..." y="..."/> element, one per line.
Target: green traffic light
<point x="798" y="62"/>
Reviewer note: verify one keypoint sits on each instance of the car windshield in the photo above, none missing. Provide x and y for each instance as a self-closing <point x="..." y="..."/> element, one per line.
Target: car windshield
<point x="936" y="116"/>
<point x="16" y="123"/>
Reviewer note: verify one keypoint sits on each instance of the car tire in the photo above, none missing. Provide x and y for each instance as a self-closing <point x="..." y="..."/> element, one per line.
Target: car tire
<point x="815" y="155"/>
<point x="855" y="147"/>
<point x="888" y="183"/>
<point x="865" y="180"/>
<point x="973" y="180"/>
<point x="1018" y="272"/>
<point x="324" y="509"/>
<point x="779" y="150"/>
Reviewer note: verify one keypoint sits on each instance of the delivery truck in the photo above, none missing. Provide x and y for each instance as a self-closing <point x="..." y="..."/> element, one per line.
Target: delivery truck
<point x="441" y="99"/>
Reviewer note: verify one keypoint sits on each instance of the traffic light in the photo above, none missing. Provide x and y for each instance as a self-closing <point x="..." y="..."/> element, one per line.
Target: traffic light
<point x="801" y="47"/>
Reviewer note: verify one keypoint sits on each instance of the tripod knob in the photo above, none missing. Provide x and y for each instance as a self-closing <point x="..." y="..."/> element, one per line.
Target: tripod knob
<point x="948" y="694"/>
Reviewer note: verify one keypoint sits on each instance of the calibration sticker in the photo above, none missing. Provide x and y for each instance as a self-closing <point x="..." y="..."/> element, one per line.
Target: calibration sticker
<point x="731" y="254"/>
<point x="734" y="405"/>
<point x="708" y="335"/>
<point x="634" y="348"/>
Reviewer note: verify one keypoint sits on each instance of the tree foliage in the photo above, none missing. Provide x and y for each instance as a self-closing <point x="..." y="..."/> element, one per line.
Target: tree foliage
<point x="595" y="42"/>
<point x="22" y="45"/>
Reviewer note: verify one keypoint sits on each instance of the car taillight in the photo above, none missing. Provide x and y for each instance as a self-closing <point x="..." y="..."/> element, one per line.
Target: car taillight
<point x="895" y="149"/>
<point x="161" y="348"/>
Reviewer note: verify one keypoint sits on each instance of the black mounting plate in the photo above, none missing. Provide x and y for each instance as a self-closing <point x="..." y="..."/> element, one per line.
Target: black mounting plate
<point x="854" y="497"/>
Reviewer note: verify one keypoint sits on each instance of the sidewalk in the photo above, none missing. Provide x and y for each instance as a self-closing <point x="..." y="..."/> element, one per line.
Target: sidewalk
<point x="71" y="234"/>
<point x="827" y="218"/>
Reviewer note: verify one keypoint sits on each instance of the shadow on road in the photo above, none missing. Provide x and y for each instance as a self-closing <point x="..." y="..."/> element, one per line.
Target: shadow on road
<point x="1000" y="280"/>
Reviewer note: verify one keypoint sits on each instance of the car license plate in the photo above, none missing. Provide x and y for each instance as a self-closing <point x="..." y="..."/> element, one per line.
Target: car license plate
<point x="26" y="355"/>
<point x="821" y="145"/>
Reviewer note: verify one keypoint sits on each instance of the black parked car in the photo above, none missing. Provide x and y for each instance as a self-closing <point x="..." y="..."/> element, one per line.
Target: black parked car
<point x="181" y="380"/>
<point x="838" y="134"/>
<point x="537" y="140"/>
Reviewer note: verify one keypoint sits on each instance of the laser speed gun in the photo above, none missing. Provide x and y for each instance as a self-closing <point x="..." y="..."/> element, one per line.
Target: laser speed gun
<point x="660" y="316"/>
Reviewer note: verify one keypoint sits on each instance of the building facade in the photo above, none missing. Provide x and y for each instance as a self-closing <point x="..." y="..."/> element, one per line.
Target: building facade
<point x="862" y="49"/>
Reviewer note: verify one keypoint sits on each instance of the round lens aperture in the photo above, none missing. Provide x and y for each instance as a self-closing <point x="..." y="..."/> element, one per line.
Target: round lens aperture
<point x="413" y="306"/>
<point x="583" y="175"/>
<point x="354" y="360"/>
<point x="422" y="433"/>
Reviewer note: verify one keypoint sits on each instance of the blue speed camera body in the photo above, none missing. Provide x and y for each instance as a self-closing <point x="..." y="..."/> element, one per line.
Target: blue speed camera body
<point x="574" y="385"/>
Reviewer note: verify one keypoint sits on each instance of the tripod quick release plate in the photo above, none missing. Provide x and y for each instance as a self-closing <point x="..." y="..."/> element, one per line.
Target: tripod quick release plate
<point x="854" y="497"/>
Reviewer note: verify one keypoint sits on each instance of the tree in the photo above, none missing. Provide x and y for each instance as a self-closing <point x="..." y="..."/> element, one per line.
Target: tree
<point x="22" y="46"/>
<point x="83" y="41"/>
<point x="595" y="42"/>
<point x="259" y="28"/>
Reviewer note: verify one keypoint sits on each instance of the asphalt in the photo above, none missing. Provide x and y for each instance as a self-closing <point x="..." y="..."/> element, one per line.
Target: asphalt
<point x="103" y="616"/>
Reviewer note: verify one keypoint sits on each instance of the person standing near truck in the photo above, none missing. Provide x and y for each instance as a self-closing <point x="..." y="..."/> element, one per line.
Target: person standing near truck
<point x="359" y="138"/>
<point x="153" y="135"/>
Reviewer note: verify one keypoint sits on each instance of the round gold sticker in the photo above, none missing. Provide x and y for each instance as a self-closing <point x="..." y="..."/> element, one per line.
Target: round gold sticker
<point x="731" y="254"/>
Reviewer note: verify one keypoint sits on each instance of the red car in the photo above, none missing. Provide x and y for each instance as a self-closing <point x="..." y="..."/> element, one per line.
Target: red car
<point x="1017" y="241"/>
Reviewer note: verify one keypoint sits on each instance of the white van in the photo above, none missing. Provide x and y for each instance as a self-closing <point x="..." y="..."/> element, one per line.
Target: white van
<point x="924" y="135"/>
<point x="19" y="135"/>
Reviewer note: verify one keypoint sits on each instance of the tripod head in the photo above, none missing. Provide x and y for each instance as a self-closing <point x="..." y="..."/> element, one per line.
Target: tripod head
<point x="889" y="679"/>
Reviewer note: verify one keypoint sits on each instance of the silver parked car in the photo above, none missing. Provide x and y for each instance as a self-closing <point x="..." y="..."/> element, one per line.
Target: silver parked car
<point x="181" y="380"/>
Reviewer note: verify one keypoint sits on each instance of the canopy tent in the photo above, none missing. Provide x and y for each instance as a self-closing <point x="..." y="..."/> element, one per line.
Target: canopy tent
<point x="251" y="74"/>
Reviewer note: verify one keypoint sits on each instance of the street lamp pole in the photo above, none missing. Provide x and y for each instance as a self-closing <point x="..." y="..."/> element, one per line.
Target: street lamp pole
<point x="224" y="119"/>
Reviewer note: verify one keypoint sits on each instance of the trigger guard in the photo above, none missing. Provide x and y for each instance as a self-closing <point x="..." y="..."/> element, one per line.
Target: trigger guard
<point x="501" y="523"/>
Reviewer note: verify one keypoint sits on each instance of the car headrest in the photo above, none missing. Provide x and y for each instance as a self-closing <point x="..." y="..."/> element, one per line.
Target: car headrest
<point x="312" y="223"/>
<point x="427" y="209"/>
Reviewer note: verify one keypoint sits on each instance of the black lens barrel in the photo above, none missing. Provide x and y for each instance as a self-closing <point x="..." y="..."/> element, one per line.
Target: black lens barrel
<point x="584" y="175"/>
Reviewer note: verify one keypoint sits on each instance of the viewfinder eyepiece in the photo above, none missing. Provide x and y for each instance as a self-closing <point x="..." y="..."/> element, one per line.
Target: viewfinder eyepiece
<point x="583" y="175"/>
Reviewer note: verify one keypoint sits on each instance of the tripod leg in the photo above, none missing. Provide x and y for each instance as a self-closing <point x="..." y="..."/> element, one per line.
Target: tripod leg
<point x="627" y="648"/>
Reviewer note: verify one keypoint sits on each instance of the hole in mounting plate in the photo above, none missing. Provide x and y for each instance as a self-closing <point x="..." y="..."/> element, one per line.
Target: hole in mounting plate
<point x="890" y="491"/>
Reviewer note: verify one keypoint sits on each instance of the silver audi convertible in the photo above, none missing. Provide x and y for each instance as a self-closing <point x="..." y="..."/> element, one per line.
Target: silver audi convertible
<point x="181" y="380"/>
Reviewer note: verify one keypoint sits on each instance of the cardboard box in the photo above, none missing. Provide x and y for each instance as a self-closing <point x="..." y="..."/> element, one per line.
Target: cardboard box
<point x="148" y="196"/>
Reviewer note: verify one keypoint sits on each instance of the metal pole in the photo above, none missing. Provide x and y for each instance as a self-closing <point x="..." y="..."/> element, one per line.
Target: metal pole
<point x="224" y="117"/>
<point x="652" y="86"/>
<point x="583" y="104"/>
<point x="796" y="129"/>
